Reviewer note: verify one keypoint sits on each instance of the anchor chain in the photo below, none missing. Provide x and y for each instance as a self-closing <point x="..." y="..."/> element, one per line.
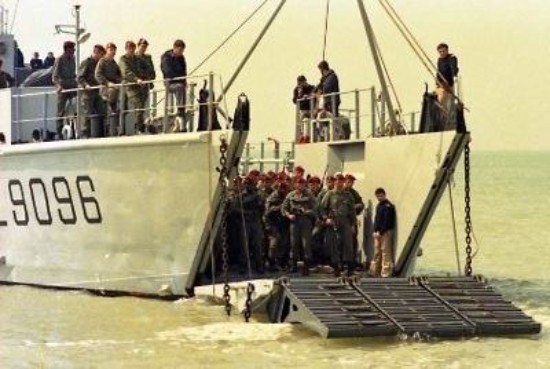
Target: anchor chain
<point x="248" y="303"/>
<point x="467" y="212"/>
<point x="224" y="174"/>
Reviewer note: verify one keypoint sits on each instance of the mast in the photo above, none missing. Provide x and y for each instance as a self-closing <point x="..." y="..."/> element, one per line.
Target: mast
<point x="376" y="58"/>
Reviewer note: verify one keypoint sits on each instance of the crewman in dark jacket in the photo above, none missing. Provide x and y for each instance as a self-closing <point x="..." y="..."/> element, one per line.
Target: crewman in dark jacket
<point x="384" y="225"/>
<point x="174" y="70"/>
<point x="300" y="96"/>
<point x="93" y="107"/>
<point x="329" y="85"/>
<point x="447" y="70"/>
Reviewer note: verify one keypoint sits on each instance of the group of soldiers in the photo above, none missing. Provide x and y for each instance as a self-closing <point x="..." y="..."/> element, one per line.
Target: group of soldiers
<point x="100" y="77"/>
<point x="289" y="220"/>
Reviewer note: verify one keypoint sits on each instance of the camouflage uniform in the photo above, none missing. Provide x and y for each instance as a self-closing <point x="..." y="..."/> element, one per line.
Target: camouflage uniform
<point x="107" y="70"/>
<point x="358" y="205"/>
<point x="304" y="207"/>
<point x="277" y="229"/>
<point x="248" y="205"/>
<point x="338" y="206"/>
<point x="64" y="77"/>
<point x="132" y="70"/>
<point x="91" y="103"/>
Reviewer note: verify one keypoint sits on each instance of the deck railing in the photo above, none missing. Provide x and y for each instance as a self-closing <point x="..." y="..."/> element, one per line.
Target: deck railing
<point x="38" y="109"/>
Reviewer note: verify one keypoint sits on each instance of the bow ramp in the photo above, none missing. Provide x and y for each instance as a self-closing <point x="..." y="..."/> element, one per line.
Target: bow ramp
<point x="429" y="307"/>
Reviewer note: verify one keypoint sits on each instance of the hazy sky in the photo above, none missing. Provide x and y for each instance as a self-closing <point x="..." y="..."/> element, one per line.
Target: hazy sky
<point x="502" y="46"/>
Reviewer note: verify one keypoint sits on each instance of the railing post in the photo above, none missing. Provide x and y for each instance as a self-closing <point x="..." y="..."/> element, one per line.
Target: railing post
<point x="210" y="100"/>
<point x="262" y="156"/>
<point x="299" y="126"/>
<point x="45" y="114"/>
<point x="18" y="114"/>
<point x="167" y="112"/>
<point x="121" y="111"/>
<point x="192" y="86"/>
<point x="154" y="101"/>
<point x="413" y="121"/>
<point x="247" y="156"/>
<point x="357" y="114"/>
<point x="373" y="110"/>
<point x="276" y="154"/>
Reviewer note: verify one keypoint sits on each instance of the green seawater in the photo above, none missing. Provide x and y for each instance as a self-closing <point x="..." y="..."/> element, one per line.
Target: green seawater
<point x="511" y="217"/>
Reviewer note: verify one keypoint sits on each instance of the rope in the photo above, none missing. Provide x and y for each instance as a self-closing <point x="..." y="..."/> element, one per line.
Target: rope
<point x="457" y="253"/>
<point x="327" y="13"/>
<point x="226" y="40"/>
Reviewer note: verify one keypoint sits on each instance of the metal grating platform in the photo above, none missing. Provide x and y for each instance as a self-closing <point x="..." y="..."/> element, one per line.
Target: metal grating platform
<point x="434" y="307"/>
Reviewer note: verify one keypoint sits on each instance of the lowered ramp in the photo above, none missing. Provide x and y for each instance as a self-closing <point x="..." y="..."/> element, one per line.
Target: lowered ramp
<point x="426" y="307"/>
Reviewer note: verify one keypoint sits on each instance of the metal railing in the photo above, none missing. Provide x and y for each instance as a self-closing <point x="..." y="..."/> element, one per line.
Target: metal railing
<point x="161" y="109"/>
<point x="319" y="123"/>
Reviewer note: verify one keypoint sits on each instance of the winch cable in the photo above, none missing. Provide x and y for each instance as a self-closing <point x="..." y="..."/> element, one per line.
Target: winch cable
<point x="228" y="38"/>
<point x="327" y="14"/>
<point x="389" y="79"/>
<point x="455" y="233"/>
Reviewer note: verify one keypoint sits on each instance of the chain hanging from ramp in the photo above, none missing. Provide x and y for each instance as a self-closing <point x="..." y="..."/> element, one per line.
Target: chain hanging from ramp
<point x="248" y="303"/>
<point x="467" y="211"/>
<point x="224" y="174"/>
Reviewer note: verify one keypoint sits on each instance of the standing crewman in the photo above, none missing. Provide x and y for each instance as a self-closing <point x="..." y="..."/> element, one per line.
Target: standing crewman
<point x="93" y="107"/>
<point x="108" y="74"/>
<point x="64" y="78"/>
<point x="174" y="70"/>
<point x="277" y="228"/>
<point x="447" y="70"/>
<point x="134" y="74"/>
<point x="358" y="205"/>
<point x="384" y="225"/>
<point x="339" y="215"/>
<point x="329" y="85"/>
<point x="303" y="97"/>
<point x="300" y="207"/>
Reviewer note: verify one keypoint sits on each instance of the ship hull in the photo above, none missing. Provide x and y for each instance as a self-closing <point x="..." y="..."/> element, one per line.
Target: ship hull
<point x="116" y="214"/>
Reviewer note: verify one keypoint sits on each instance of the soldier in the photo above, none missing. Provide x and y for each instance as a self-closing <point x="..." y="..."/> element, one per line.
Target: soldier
<point x="314" y="184"/>
<point x="321" y="253"/>
<point x="277" y="228"/>
<point x="359" y="205"/>
<point x="174" y="70"/>
<point x="251" y="207"/>
<point x="300" y="207"/>
<point x="107" y="74"/>
<point x="339" y="215"/>
<point x="299" y="172"/>
<point x="146" y="61"/>
<point x="64" y="78"/>
<point x="136" y="92"/>
<point x="93" y="107"/>
<point x="384" y="225"/>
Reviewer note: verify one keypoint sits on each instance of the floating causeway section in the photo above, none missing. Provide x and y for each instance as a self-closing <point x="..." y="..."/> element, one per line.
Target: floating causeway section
<point x="426" y="307"/>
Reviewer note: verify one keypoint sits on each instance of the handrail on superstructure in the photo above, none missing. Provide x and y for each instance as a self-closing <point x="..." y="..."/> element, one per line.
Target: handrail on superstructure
<point x="318" y="124"/>
<point x="152" y="107"/>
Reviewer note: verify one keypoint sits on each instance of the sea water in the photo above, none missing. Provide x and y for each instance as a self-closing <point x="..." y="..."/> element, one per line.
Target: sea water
<point x="511" y="216"/>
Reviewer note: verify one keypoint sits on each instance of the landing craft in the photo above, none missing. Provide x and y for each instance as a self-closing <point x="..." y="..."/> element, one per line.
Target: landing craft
<point x="140" y="214"/>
